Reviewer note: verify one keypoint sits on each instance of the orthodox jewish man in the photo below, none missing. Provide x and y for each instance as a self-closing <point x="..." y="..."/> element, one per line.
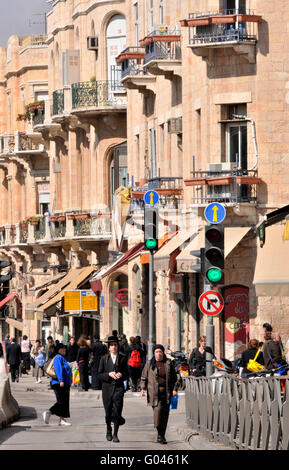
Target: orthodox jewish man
<point x="113" y="372"/>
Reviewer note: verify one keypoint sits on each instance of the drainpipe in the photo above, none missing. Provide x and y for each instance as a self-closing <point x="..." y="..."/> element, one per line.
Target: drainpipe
<point x="246" y="118"/>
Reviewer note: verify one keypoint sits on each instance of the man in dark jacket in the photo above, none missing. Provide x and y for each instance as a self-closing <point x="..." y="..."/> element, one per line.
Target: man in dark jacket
<point x="272" y="352"/>
<point x="71" y="351"/>
<point x="98" y="350"/>
<point x="14" y="357"/>
<point x="112" y="373"/>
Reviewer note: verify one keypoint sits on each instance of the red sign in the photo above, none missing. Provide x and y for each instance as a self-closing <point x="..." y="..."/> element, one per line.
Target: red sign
<point x="121" y="297"/>
<point x="236" y="320"/>
<point x="211" y="303"/>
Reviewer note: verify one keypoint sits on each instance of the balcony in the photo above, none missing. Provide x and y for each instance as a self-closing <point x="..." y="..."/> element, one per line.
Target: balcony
<point x="223" y="29"/>
<point x="38" y="118"/>
<point x="97" y="97"/>
<point x="133" y="75"/>
<point x="91" y="227"/>
<point x="232" y="187"/>
<point x="58" y="103"/>
<point x="170" y="190"/>
<point x="163" y="55"/>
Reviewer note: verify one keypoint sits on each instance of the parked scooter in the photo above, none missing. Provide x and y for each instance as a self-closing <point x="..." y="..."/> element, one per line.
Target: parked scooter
<point x="180" y="363"/>
<point x="223" y="366"/>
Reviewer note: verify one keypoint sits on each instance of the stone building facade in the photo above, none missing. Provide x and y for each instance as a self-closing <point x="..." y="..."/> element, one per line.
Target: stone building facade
<point x="188" y="98"/>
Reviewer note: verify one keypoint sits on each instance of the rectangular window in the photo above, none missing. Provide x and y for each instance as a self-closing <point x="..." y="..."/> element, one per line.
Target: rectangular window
<point x="161" y="12"/>
<point x="136" y="32"/>
<point x="236" y="144"/>
<point x="151" y="16"/>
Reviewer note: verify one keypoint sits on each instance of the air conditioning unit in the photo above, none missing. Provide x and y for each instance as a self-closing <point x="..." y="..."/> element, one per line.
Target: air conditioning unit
<point x="219" y="167"/>
<point x="175" y="125"/>
<point x="92" y="43"/>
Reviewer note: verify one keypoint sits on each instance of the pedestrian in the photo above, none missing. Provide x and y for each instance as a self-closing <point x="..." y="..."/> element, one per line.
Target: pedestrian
<point x="268" y="330"/>
<point x="14" y="357"/>
<point x="113" y="372"/>
<point x="1" y="350"/>
<point x="61" y="386"/>
<point x="98" y="350"/>
<point x="7" y="342"/>
<point x="159" y="380"/>
<point x="123" y="345"/>
<point x="134" y="363"/>
<point x="25" y="350"/>
<point x="271" y="351"/>
<point x="143" y="348"/>
<point x="197" y="360"/>
<point x="71" y="352"/>
<point x="82" y="360"/>
<point x="36" y="350"/>
<point x="49" y="348"/>
<point x="250" y="353"/>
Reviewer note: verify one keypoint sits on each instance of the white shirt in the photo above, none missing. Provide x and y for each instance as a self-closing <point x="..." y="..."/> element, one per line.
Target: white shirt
<point x="113" y="358"/>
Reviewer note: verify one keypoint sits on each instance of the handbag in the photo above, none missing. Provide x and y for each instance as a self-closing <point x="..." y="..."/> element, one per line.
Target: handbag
<point x="253" y="365"/>
<point x="49" y="369"/>
<point x="40" y="360"/>
<point x="174" y="403"/>
<point x="75" y="377"/>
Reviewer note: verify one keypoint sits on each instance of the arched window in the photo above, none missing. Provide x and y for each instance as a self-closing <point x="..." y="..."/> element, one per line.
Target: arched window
<point x="115" y="43"/>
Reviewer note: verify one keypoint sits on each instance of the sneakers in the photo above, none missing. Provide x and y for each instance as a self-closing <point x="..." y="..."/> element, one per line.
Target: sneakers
<point x="46" y="416"/>
<point x="38" y="381"/>
<point x="63" y="422"/>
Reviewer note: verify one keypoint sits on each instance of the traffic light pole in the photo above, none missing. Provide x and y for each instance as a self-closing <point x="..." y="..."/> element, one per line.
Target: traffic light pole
<point x="152" y="323"/>
<point x="210" y="338"/>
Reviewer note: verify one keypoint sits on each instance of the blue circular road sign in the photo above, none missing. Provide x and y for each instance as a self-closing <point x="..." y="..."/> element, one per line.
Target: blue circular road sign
<point x="215" y="213"/>
<point x="151" y="198"/>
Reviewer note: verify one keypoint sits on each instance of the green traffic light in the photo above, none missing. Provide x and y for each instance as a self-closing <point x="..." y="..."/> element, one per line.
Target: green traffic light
<point x="151" y="243"/>
<point x="214" y="275"/>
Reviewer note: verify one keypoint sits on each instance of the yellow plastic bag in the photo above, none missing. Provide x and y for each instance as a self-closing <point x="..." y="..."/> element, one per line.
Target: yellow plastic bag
<point x="253" y="365"/>
<point x="75" y="377"/>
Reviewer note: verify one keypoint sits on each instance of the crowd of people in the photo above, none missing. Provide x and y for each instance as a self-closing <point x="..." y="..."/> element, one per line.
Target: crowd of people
<point x="113" y="367"/>
<point x="269" y="353"/>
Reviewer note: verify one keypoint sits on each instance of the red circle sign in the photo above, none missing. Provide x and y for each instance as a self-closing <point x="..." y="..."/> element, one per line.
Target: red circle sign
<point x="211" y="303"/>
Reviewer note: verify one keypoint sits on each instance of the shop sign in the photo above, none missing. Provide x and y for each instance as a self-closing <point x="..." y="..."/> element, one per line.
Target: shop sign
<point x="80" y="301"/>
<point x="121" y="297"/>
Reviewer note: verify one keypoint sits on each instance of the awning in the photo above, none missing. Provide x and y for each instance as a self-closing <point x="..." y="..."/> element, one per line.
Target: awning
<point x="48" y="283"/>
<point x="8" y="298"/>
<point x="123" y="259"/>
<point x="83" y="275"/>
<point x="54" y="289"/>
<point x="271" y="277"/>
<point x="16" y="324"/>
<point x="188" y="263"/>
<point x="162" y="257"/>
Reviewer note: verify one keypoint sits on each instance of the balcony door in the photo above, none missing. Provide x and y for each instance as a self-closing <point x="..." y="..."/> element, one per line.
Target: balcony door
<point x="115" y="43"/>
<point x="118" y="168"/>
<point x="236" y="144"/>
<point x="236" y="5"/>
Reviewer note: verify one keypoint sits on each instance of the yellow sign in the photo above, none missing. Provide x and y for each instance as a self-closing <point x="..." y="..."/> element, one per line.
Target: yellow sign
<point x="72" y="301"/>
<point x="80" y="301"/>
<point x="89" y="301"/>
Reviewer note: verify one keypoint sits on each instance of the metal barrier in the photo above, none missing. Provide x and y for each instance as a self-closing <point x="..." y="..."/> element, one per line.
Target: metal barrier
<point x="244" y="414"/>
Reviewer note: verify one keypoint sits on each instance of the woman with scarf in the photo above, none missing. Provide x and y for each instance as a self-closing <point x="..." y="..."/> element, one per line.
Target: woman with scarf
<point x="159" y="379"/>
<point x="112" y="373"/>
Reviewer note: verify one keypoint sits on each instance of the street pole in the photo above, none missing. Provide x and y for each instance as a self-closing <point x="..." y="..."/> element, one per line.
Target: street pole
<point x="152" y="327"/>
<point x="210" y="338"/>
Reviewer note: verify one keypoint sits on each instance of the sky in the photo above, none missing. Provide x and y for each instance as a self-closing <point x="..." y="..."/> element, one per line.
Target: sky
<point x="17" y="16"/>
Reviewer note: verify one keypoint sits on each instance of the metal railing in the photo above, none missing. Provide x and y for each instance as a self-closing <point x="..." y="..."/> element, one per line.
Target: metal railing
<point x="58" y="102"/>
<point x="163" y="51"/>
<point x="131" y="67"/>
<point x="38" y="117"/>
<point x="97" y="94"/>
<point x="224" y="12"/>
<point x="23" y="234"/>
<point x="222" y="35"/>
<point x="60" y="229"/>
<point x="93" y="226"/>
<point x="227" y="190"/>
<point x="250" y="414"/>
<point x="40" y="231"/>
<point x="26" y="143"/>
<point x="172" y="191"/>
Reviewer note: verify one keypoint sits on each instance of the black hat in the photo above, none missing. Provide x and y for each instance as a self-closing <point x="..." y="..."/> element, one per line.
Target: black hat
<point x="158" y="346"/>
<point x="60" y="346"/>
<point x="112" y="339"/>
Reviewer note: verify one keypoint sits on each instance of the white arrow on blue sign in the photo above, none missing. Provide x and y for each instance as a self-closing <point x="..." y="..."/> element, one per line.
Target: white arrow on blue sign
<point x="151" y="198"/>
<point x="215" y="213"/>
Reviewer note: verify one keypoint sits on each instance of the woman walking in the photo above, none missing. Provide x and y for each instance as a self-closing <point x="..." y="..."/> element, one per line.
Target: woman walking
<point x="112" y="373"/>
<point x="25" y="349"/>
<point x="159" y="379"/>
<point x="61" y="386"/>
<point x="82" y="360"/>
<point x="36" y="350"/>
<point x="197" y="360"/>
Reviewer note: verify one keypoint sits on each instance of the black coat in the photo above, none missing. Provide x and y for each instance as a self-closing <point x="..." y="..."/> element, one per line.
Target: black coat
<point x="112" y="390"/>
<point x="71" y="352"/>
<point x="98" y="350"/>
<point x="13" y="354"/>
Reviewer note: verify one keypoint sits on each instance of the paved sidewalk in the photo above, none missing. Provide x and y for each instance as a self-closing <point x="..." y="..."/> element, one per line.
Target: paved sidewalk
<point x="88" y="426"/>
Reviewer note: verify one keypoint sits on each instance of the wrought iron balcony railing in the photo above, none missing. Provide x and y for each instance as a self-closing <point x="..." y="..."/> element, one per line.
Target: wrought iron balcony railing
<point x="237" y="186"/>
<point x="97" y="94"/>
<point x="93" y="226"/>
<point x="222" y="34"/>
<point x="58" y="103"/>
<point x="170" y="190"/>
<point x="25" y="143"/>
<point x="60" y="229"/>
<point x="40" y="231"/>
<point x="38" y="117"/>
<point x="163" y="51"/>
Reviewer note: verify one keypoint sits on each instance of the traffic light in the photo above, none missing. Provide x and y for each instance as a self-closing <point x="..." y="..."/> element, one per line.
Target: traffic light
<point x="151" y="228"/>
<point x="214" y="255"/>
<point x="8" y="276"/>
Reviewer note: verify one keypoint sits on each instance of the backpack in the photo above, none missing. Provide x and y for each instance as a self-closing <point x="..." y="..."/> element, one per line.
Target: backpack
<point x="135" y="359"/>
